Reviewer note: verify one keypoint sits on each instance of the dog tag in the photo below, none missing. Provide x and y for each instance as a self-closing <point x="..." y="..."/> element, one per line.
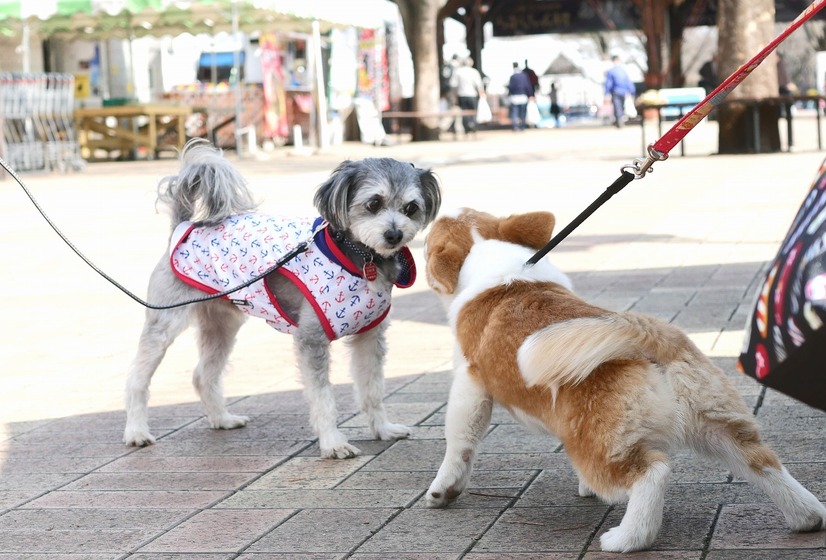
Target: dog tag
<point x="370" y="271"/>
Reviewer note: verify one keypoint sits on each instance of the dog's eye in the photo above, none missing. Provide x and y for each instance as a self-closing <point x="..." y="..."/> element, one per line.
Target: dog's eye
<point x="373" y="205"/>
<point x="410" y="209"/>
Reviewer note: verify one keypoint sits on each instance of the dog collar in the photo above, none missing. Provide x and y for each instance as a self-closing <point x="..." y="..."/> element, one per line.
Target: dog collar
<point x="329" y="241"/>
<point x="368" y="269"/>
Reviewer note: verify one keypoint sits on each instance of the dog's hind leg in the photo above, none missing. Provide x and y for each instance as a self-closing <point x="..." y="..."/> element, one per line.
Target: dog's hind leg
<point x="367" y="351"/>
<point x="218" y="324"/>
<point x="469" y="410"/>
<point x="644" y="512"/>
<point x="159" y="331"/>
<point x="734" y="439"/>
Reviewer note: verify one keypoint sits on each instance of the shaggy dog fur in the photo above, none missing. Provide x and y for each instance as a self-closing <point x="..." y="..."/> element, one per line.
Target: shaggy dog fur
<point x="374" y="208"/>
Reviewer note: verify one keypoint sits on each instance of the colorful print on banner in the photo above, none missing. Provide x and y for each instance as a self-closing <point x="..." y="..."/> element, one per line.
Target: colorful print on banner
<point x="275" y="104"/>
<point x="373" y="77"/>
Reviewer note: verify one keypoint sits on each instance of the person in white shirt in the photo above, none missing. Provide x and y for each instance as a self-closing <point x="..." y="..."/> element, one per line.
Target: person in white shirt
<point x="469" y="88"/>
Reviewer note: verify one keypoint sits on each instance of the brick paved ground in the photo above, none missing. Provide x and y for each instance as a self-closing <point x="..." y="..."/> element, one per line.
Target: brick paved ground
<point x="687" y="244"/>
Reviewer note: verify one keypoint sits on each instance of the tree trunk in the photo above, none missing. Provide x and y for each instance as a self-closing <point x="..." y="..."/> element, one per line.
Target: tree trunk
<point x="420" y="21"/>
<point x="744" y="28"/>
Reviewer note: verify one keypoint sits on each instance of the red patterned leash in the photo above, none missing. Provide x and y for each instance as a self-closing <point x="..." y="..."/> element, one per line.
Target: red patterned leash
<point x="658" y="151"/>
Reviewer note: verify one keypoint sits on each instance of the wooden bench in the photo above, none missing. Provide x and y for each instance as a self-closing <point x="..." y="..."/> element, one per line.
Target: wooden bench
<point x="455" y="115"/>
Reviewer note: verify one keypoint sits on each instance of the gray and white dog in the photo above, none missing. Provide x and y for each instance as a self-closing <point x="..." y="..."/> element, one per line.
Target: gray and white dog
<point x="369" y="211"/>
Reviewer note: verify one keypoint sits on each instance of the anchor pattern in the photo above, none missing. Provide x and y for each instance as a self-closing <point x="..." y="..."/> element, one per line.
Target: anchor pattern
<point x="217" y="258"/>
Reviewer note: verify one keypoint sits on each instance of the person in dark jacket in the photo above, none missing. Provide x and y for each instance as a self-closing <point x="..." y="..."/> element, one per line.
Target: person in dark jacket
<point x="520" y="91"/>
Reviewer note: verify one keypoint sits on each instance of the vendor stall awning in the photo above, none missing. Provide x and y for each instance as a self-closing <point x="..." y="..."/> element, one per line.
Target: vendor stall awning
<point x="96" y="19"/>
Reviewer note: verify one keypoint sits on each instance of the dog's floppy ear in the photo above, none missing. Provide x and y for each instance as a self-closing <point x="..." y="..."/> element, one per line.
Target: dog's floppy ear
<point x="332" y="199"/>
<point x="432" y="193"/>
<point x="446" y="248"/>
<point x="532" y="230"/>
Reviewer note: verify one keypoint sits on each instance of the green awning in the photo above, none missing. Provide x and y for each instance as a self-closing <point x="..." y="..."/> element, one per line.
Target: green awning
<point x="100" y="19"/>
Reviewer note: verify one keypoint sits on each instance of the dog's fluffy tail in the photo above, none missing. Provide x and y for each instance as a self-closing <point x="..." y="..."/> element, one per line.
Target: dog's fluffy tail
<point x="207" y="190"/>
<point x="567" y="352"/>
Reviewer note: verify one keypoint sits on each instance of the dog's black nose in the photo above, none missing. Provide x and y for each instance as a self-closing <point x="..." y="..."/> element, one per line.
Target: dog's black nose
<point x="393" y="236"/>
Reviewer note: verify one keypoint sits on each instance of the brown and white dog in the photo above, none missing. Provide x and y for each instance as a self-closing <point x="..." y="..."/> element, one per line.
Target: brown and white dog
<point x="622" y="391"/>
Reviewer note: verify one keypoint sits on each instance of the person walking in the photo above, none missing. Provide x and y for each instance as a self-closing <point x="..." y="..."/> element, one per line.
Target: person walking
<point x="617" y="86"/>
<point x="467" y="82"/>
<point x="520" y="91"/>
<point x="531" y="75"/>
<point x="555" y="108"/>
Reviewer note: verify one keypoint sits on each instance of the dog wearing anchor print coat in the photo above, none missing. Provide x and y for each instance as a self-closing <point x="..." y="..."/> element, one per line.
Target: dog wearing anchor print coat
<point x="339" y="288"/>
<point x="622" y="391"/>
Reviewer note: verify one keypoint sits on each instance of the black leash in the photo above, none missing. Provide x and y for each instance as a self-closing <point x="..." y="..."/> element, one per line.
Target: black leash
<point x="615" y="187"/>
<point x="302" y="247"/>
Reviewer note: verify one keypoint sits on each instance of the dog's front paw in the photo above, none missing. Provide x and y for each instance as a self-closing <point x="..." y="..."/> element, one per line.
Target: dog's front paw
<point x="341" y="451"/>
<point x="621" y="540"/>
<point x="138" y="437"/>
<point x="439" y="496"/>
<point x="228" y="422"/>
<point x="392" y="431"/>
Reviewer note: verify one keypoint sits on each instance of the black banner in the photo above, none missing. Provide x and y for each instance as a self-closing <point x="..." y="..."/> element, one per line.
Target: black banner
<point x="534" y="17"/>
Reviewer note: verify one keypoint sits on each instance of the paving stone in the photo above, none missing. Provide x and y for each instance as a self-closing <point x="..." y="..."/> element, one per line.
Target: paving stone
<point x="16" y="498"/>
<point x="716" y="493"/>
<point x="649" y="555"/>
<point x="542" y="529"/>
<point x="431" y="531"/>
<point x="759" y="526"/>
<point x="406" y="556"/>
<point x="409" y="455"/>
<point x="689" y="468"/>
<point x="34" y="481"/>
<point x="290" y="556"/>
<point x="151" y="463"/>
<point x="521" y="556"/>
<point x="428" y="432"/>
<point x="526" y="461"/>
<point x="91" y="519"/>
<point x="277" y="449"/>
<point x="173" y="556"/>
<point x="161" y="481"/>
<point x="514" y="438"/>
<point x="554" y="487"/>
<point x="323" y="530"/>
<point x="128" y="499"/>
<point x="310" y="498"/>
<point x="408" y="414"/>
<point x="378" y="480"/>
<point x="68" y="542"/>
<point x="803" y="446"/>
<point x="309" y="472"/>
<point x="14" y="465"/>
<point x="218" y="531"/>
<point x="775" y="554"/>
<point x="44" y="556"/>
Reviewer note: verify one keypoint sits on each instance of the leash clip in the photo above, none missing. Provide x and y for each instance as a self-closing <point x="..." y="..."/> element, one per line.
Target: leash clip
<point x="639" y="167"/>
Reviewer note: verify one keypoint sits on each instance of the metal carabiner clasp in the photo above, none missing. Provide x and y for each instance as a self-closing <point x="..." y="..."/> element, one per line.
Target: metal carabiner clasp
<point x="639" y="167"/>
